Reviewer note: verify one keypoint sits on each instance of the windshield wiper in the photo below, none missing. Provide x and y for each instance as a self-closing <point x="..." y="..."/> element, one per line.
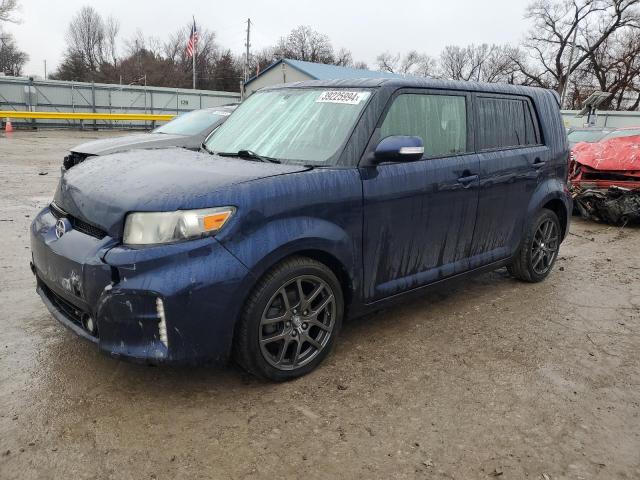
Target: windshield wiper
<point x="203" y="146"/>
<point x="252" y="154"/>
<point x="248" y="154"/>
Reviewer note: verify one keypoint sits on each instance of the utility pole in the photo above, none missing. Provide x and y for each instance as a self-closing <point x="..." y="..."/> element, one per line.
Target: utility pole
<point x="248" y="44"/>
<point x="45" y="69"/>
<point x="566" y="78"/>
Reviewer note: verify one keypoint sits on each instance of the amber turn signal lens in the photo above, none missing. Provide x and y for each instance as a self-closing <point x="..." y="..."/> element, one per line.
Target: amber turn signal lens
<point x="216" y="221"/>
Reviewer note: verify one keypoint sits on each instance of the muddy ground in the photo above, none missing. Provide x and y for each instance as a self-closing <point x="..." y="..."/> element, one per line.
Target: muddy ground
<point x="492" y="378"/>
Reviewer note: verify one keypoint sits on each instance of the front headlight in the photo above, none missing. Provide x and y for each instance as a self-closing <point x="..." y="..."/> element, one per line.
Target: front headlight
<point x="148" y="228"/>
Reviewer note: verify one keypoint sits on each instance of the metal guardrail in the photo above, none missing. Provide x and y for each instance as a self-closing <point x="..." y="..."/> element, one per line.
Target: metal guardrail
<point x="85" y="116"/>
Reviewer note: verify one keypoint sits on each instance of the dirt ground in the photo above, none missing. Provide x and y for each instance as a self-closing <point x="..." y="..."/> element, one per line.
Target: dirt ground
<point x="493" y="378"/>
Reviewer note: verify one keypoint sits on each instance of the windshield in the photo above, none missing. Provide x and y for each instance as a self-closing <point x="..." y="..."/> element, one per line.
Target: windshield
<point x="623" y="133"/>
<point x="590" y="136"/>
<point x="192" y="123"/>
<point x="306" y="126"/>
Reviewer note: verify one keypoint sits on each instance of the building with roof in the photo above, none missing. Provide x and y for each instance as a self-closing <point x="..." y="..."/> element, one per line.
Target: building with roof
<point x="286" y="71"/>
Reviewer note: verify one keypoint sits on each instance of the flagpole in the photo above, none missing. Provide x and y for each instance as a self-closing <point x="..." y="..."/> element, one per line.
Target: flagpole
<point x="193" y="58"/>
<point x="195" y="52"/>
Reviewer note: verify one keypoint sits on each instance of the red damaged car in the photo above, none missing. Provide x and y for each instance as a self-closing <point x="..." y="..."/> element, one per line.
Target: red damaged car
<point x="605" y="177"/>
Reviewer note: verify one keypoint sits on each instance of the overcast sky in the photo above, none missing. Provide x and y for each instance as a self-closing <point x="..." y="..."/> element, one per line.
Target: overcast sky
<point x="366" y="28"/>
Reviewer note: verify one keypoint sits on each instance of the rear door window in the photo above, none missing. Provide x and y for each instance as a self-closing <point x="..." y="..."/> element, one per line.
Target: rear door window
<point x="439" y="120"/>
<point x="505" y="123"/>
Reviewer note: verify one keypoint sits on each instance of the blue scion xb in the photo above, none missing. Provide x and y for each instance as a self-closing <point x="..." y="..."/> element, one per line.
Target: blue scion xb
<point x="314" y="201"/>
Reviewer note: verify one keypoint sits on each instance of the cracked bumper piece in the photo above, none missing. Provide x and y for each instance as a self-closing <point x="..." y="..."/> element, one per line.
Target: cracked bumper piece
<point x="173" y="304"/>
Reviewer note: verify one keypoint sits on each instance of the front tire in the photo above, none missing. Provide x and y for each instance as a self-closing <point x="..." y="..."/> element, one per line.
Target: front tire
<point x="290" y="321"/>
<point x="539" y="249"/>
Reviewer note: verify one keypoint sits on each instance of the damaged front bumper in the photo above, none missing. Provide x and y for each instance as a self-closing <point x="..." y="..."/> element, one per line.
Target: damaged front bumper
<point x="605" y="196"/>
<point x="616" y="205"/>
<point x="173" y="304"/>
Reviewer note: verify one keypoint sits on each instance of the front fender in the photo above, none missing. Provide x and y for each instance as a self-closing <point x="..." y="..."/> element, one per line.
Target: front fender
<point x="316" y="210"/>
<point x="278" y="239"/>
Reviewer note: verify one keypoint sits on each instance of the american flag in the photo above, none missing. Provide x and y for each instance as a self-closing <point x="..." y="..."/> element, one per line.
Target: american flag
<point x="193" y="40"/>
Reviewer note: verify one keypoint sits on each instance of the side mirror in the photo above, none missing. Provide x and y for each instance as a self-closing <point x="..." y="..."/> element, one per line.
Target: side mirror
<point x="399" y="148"/>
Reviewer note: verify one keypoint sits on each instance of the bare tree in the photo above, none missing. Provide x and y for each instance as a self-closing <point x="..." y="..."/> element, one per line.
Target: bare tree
<point x="500" y="67"/>
<point x="304" y="43"/>
<point x="12" y="59"/>
<point x="262" y="59"/>
<point x="136" y="43"/>
<point x="413" y="63"/>
<point x="162" y="64"/>
<point x="481" y="63"/>
<point x="343" y="58"/>
<point x="556" y="23"/>
<point x="93" y="55"/>
<point x="418" y="64"/>
<point x="454" y="63"/>
<point x="615" y="65"/>
<point x="111" y="30"/>
<point x="388" y="62"/>
<point x="86" y="38"/>
<point x="7" y="11"/>
<point x="169" y="64"/>
<point x="225" y="72"/>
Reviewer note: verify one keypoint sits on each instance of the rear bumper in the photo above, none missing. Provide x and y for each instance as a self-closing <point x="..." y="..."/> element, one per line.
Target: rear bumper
<point x="173" y="304"/>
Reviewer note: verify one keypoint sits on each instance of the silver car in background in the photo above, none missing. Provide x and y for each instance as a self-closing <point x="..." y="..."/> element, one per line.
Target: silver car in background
<point x="188" y="130"/>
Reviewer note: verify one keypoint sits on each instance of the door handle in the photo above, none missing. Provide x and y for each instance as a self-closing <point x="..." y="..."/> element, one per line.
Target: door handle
<point x="538" y="163"/>
<point x="467" y="179"/>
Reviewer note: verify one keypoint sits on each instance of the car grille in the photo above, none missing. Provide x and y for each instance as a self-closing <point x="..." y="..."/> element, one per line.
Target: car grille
<point x="69" y="310"/>
<point x="78" y="224"/>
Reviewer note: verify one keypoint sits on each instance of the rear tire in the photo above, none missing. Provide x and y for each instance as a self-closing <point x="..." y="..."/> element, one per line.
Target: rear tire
<point x="539" y="248"/>
<point x="290" y="321"/>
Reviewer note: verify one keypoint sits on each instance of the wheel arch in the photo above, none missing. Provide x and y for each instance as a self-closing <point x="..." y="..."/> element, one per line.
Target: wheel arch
<point x="552" y="195"/>
<point x="338" y="269"/>
<point x="315" y="250"/>
<point x="557" y="206"/>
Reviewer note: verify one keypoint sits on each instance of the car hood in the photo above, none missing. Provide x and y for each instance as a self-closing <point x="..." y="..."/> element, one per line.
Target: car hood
<point x="102" y="190"/>
<point x="616" y="154"/>
<point x="127" y="142"/>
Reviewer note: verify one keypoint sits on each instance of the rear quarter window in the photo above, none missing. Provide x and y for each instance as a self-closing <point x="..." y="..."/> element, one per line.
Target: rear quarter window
<point x="505" y="123"/>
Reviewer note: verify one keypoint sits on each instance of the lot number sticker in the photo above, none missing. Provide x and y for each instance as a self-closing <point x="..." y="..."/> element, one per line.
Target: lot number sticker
<point x="342" y="96"/>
